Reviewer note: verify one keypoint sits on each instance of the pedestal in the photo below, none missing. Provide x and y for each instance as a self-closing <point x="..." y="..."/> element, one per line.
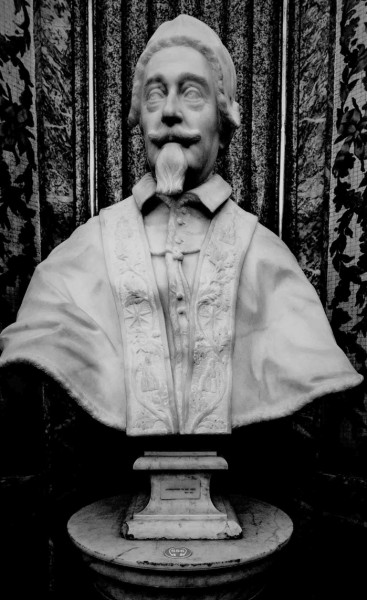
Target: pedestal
<point x="180" y="504"/>
<point x="125" y="569"/>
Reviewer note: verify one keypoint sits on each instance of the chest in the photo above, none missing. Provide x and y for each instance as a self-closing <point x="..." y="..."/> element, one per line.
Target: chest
<point x="175" y="231"/>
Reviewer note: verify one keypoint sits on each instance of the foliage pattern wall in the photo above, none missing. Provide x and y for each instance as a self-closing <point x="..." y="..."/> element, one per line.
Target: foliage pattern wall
<point x="19" y="215"/>
<point x="347" y="273"/>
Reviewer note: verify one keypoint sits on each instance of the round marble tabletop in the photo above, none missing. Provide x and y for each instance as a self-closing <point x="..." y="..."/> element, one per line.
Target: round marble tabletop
<point x="95" y="530"/>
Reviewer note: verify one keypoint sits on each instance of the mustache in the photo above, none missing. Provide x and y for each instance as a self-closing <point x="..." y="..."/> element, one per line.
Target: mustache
<point x="178" y="136"/>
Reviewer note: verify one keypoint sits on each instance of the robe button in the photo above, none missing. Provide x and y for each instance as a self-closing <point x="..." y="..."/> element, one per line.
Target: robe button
<point x="180" y="221"/>
<point x="178" y="240"/>
<point x="184" y="210"/>
<point x="181" y="310"/>
<point x="177" y="255"/>
<point x="179" y="296"/>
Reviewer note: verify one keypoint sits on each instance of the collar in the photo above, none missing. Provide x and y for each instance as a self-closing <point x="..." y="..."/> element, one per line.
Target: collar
<point x="211" y="194"/>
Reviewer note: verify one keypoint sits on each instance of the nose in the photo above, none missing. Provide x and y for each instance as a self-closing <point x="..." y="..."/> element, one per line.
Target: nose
<point x="171" y="113"/>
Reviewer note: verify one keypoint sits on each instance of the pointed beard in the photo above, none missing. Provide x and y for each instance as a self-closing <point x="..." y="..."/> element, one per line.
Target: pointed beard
<point x="170" y="169"/>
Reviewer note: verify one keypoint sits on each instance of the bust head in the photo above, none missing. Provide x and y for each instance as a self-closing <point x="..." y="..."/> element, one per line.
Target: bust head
<point x="184" y="99"/>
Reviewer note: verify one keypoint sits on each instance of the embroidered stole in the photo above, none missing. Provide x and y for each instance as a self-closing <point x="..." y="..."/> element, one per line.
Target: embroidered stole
<point x="152" y="401"/>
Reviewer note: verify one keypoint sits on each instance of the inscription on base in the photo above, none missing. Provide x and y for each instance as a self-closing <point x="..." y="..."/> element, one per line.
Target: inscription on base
<point x="178" y="488"/>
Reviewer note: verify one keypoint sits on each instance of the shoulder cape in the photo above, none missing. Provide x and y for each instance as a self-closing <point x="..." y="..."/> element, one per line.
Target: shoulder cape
<point x="284" y="353"/>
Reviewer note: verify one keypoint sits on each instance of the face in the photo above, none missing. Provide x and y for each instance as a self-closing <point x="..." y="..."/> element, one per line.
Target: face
<point x="179" y="105"/>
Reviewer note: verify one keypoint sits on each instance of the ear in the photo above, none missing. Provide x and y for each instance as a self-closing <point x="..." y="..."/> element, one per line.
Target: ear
<point x="225" y="137"/>
<point x="229" y="125"/>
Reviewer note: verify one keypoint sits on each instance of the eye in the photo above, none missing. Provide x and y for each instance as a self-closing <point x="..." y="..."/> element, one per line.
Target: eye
<point x="192" y="93"/>
<point x="154" y="95"/>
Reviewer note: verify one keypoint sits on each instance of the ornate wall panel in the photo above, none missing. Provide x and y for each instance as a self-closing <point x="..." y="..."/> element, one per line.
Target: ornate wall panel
<point x="326" y="62"/>
<point x="311" y="33"/>
<point x="310" y="85"/>
<point x="55" y="120"/>
<point x="347" y="286"/>
<point x="347" y="267"/>
<point x="19" y="208"/>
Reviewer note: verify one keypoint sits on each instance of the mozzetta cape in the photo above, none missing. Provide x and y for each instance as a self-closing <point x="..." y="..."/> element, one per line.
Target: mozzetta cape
<point x="92" y="320"/>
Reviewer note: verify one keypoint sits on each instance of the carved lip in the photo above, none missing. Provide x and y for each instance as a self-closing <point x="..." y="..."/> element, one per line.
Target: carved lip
<point x="178" y="138"/>
<point x="175" y="552"/>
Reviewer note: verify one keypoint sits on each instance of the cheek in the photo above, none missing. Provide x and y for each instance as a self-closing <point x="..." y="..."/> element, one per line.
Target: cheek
<point x="151" y="153"/>
<point x="147" y="120"/>
<point x="211" y="142"/>
<point x="210" y="130"/>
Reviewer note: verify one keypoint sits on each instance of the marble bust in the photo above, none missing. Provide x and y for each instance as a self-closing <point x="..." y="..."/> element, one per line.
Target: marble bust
<point x="175" y="311"/>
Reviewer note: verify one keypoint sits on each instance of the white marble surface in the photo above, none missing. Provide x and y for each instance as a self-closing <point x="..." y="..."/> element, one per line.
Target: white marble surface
<point x="180" y="461"/>
<point x="95" y="529"/>
<point x="182" y="570"/>
<point x="184" y="520"/>
<point x="180" y="504"/>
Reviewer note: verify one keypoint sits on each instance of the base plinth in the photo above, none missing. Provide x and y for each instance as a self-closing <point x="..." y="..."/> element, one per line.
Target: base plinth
<point x="180" y="504"/>
<point x="125" y="569"/>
